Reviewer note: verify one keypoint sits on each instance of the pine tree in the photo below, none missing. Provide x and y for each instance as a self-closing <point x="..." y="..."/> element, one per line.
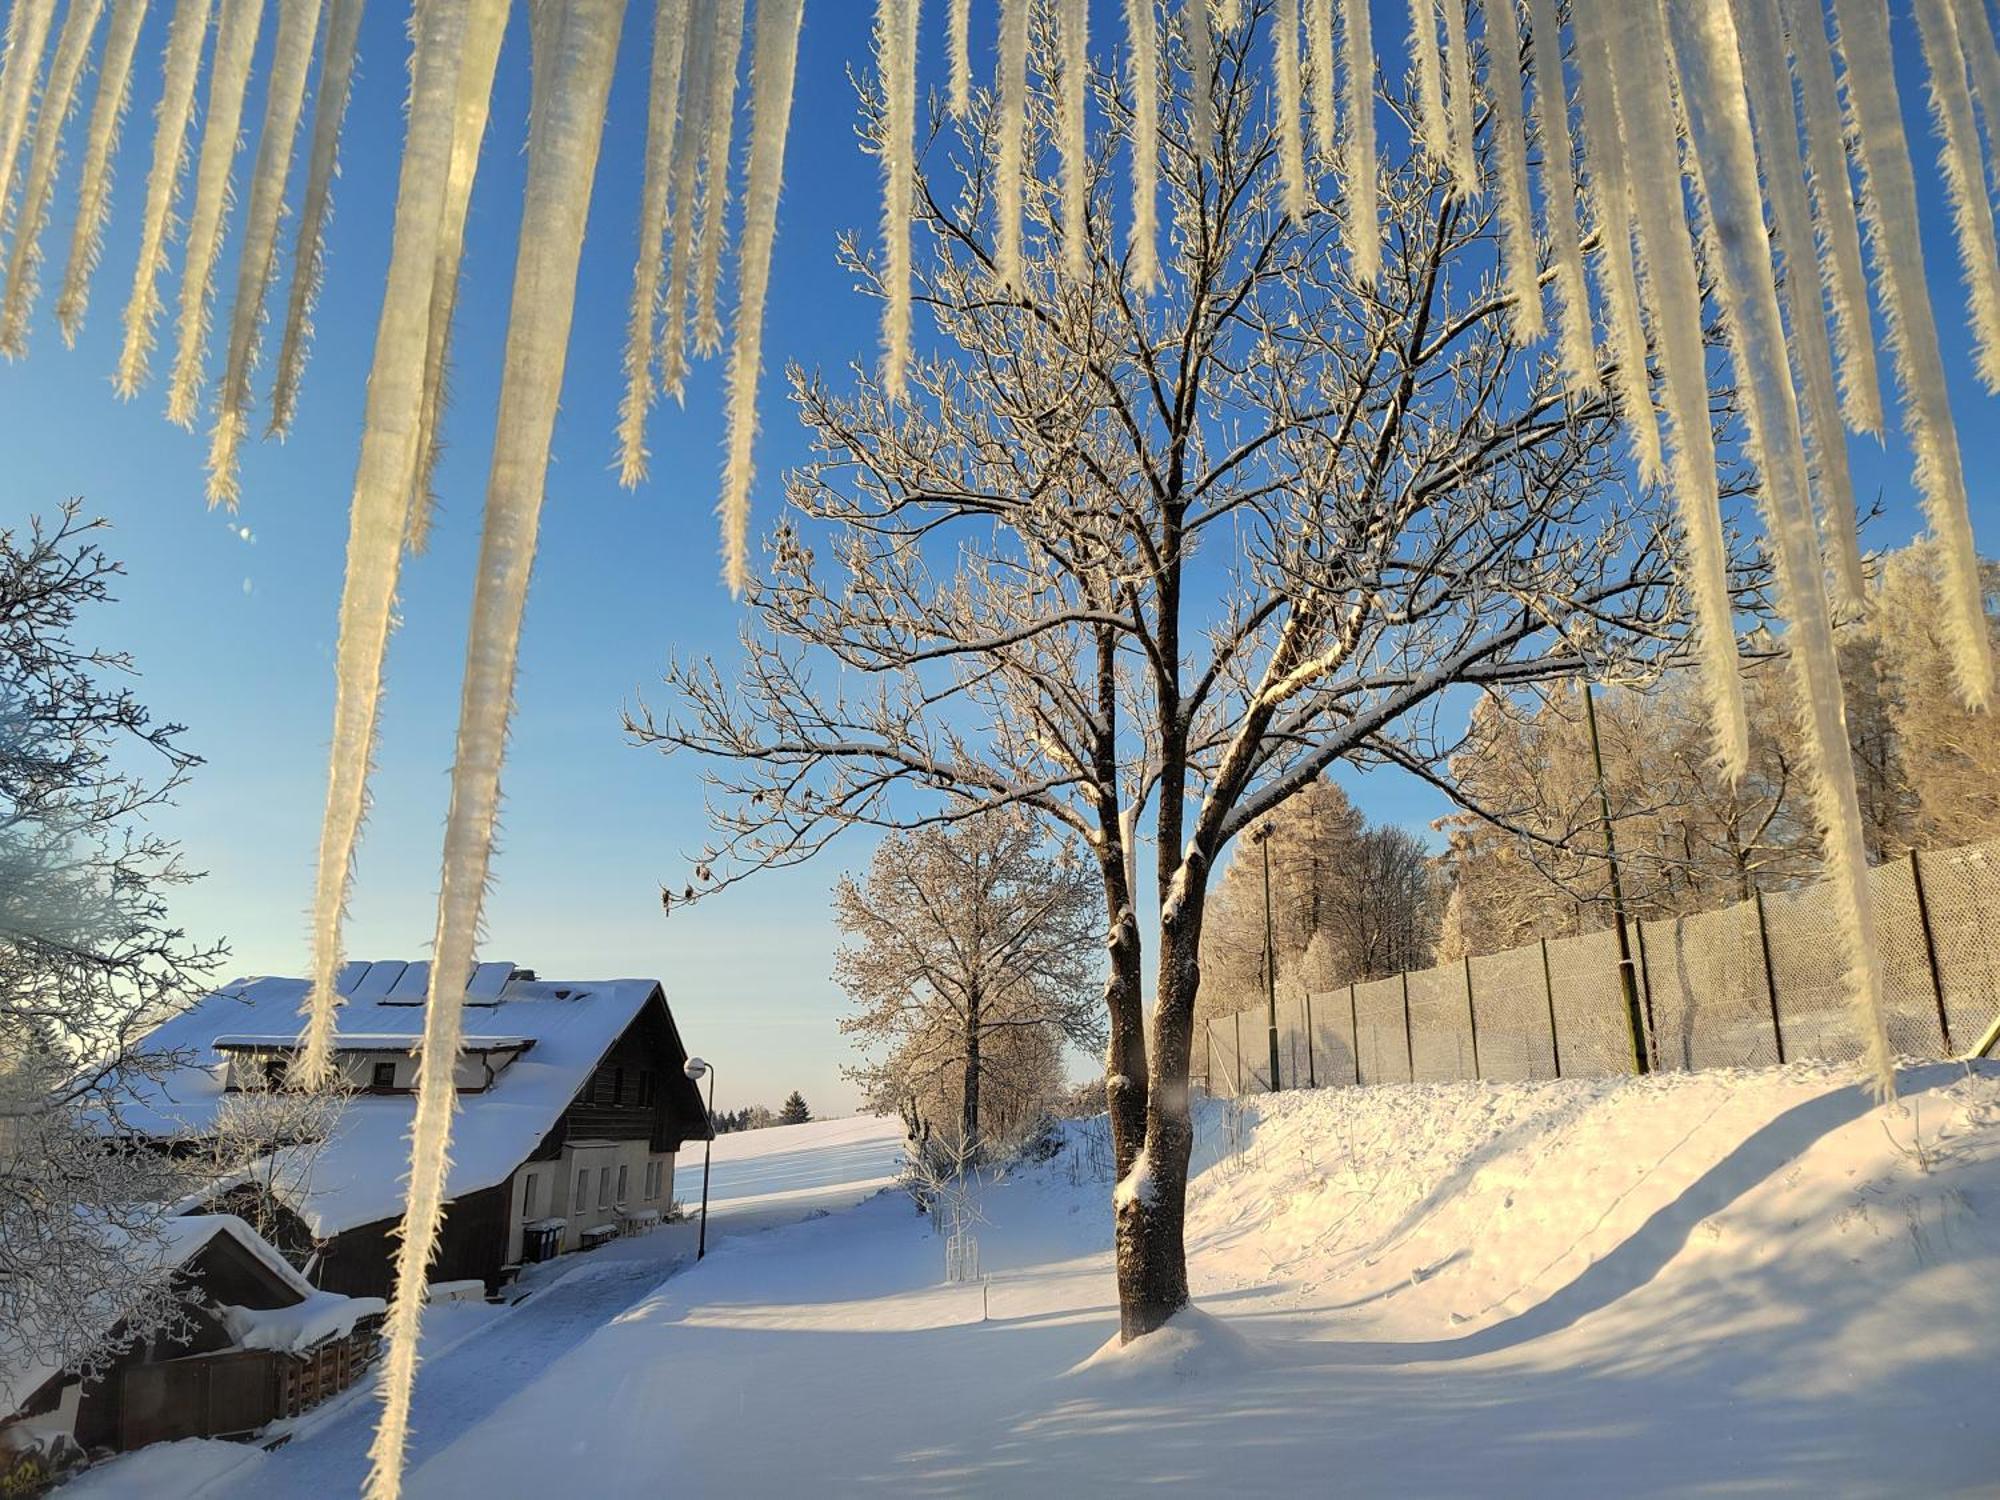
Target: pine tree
<point x="793" y="1111"/>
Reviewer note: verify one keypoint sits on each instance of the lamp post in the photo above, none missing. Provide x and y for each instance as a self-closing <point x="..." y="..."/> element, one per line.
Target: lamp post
<point x="694" y="1070"/>
<point x="1262" y="839"/>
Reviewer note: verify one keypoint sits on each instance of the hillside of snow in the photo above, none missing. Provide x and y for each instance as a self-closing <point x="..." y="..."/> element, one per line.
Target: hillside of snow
<point x="1719" y="1283"/>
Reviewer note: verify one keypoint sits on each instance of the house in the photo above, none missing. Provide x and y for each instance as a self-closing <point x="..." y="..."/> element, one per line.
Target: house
<point x="256" y="1342"/>
<point x="572" y="1102"/>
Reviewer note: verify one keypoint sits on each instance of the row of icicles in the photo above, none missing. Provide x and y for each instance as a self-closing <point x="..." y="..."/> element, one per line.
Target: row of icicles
<point x="1751" y="103"/>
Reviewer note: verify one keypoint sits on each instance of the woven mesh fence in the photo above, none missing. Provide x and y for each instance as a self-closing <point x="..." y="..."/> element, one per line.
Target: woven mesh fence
<point x="1753" y="984"/>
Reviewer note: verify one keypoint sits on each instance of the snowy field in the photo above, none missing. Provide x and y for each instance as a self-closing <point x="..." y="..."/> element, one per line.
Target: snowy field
<point x="1709" y="1284"/>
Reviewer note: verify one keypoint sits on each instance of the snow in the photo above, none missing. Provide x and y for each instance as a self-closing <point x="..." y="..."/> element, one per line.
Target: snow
<point x="295" y="1329"/>
<point x="1725" y="1282"/>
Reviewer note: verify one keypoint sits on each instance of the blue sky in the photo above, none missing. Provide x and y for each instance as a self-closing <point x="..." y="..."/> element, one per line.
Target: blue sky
<point x="232" y="617"/>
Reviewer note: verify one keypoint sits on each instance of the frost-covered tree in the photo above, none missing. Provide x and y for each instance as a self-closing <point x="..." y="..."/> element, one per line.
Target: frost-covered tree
<point x="971" y="961"/>
<point x="1150" y="554"/>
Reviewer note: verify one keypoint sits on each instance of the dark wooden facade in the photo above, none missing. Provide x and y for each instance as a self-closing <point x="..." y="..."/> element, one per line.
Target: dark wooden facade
<point x="472" y="1242"/>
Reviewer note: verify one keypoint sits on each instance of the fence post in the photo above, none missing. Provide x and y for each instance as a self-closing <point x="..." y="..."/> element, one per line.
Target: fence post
<point x="1472" y="1017"/>
<point x="1646" y="991"/>
<point x="1208" y="1034"/>
<point x="1930" y="948"/>
<point x="1239" y="1054"/>
<point x="1409" y="1037"/>
<point x="1312" y="1070"/>
<point x="1549" y="991"/>
<point x="1770" y="976"/>
<point x="1354" y="1024"/>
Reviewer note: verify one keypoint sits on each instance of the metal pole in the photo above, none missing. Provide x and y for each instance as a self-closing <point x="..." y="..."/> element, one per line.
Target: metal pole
<point x="1930" y="949"/>
<point x="1409" y="1038"/>
<point x="1354" y="1031"/>
<point x="1646" y="992"/>
<point x="1549" y="990"/>
<point x="707" y="1148"/>
<point x="1627" y="980"/>
<point x="1239" y="1054"/>
<point x="1472" y="1017"/>
<point x="1312" y="1069"/>
<point x="1770" y="976"/>
<point x="1263" y="837"/>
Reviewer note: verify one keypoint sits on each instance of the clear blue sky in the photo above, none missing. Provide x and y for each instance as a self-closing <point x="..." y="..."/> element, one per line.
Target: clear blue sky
<point x="233" y="616"/>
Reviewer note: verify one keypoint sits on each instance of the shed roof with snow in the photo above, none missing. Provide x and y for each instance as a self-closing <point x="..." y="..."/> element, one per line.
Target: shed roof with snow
<point x="557" y="1031"/>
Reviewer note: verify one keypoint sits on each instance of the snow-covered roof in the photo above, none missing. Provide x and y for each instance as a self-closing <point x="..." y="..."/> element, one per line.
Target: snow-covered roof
<point x="357" y="1177"/>
<point x="352" y="1041"/>
<point x="295" y="1329"/>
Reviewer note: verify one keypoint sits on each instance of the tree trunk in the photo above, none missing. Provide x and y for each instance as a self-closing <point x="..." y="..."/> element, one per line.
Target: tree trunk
<point x="969" y="1117"/>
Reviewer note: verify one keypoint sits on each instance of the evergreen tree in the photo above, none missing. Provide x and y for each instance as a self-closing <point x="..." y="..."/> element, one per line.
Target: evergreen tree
<point x="793" y="1111"/>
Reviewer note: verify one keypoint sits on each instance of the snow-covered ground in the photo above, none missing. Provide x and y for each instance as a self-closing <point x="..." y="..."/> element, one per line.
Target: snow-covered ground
<point x="1720" y="1283"/>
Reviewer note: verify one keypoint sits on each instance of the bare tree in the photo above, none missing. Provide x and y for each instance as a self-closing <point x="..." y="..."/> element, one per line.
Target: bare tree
<point x="1160" y="557"/>
<point x="972" y="956"/>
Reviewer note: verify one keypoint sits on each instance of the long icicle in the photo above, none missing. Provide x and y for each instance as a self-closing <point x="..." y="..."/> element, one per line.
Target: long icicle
<point x="1320" y="79"/>
<point x="772" y="67"/>
<point x="284" y="100"/>
<point x="1834" y="223"/>
<point x="687" y="163"/>
<point x="1576" y="346"/>
<point x="1433" y="131"/>
<point x="896" y="54"/>
<point x="1142" y="42"/>
<point x="960" y="47"/>
<point x="718" y="129"/>
<point x="1777" y="134"/>
<point x="221" y="134"/>
<point x="1604" y="176"/>
<point x="1714" y="83"/>
<point x="382" y="486"/>
<point x="183" y="65"/>
<point x="1889" y="210"/>
<point x="1359" y="187"/>
<point x="1198" y="36"/>
<point x="670" y="38"/>
<point x="1965" y="182"/>
<point x="1291" y="111"/>
<point x="1459" y="154"/>
<point x="1975" y="33"/>
<point x="44" y="160"/>
<point x="486" y="28"/>
<point x="1011" y="125"/>
<point x="28" y="25"/>
<point x="93" y="191"/>
<point x="1073" y="37"/>
<point x="1504" y="74"/>
<point x="1645" y="121"/>
<point x="576" y="52"/>
<point x="336" y="78"/>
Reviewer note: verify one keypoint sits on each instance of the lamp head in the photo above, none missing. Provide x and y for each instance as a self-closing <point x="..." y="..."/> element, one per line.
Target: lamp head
<point x="695" y="1068"/>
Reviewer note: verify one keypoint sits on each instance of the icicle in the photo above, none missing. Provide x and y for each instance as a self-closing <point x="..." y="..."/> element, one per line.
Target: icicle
<point x="670" y="36"/>
<point x="336" y="75"/>
<point x="235" y="44"/>
<point x="771" y="69"/>
<point x="1975" y="33"/>
<point x="1604" y="175"/>
<point x="1199" y="37"/>
<point x="183" y="64"/>
<point x="687" y="161"/>
<point x="1762" y="39"/>
<point x="486" y="27"/>
<point x="1504" y="70"/>
<point x="1965" y="182"/>
<point x="1073" y="37"/>
<point x="1464" y="163"/>
<point x="1433" y="130"/>
<point x="93" y="193"/>
<point x="1143" y="43"/>
<point x="28" y="26"/>
<point x="1290" y="109"/>
<point x="1834" y="222"/>
<point x="43" y="160"/>
<point x="576" y="51"/>
<point x="961" y="58"/>
<point x="1575" y="344"/>
<point x="1011" y="126"/>
<point x="718" y="125"/>
<point x="284" y="98"/>
<point x="382" y="480"/>
<point x="1359" y="186"/>
<point x="898" y="45"/>
<point x="1319" y="65"/>
<point x="1645" y="119"/>
<point x="1714" y="83"/>
<point x="1889" y="210"/>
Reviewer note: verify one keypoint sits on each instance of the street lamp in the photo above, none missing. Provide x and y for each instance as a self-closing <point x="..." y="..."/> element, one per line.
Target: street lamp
<point x="694" y="1070"/>
<point x="1261" y="837"/>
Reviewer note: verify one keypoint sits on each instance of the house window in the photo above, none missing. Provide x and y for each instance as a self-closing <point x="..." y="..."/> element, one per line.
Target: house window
<point x="530" y="1191"/>
<point x="384" y="1076"/>
<point x="645" y="1088"/>
<point x="621" y="1183"/>
<point x="652" y="1180"/>
<point x="604" y="1187"/>
<point x="617" y="1085"/>
<point x="274" y="1072"/>
<point x="582" y="1191"/>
